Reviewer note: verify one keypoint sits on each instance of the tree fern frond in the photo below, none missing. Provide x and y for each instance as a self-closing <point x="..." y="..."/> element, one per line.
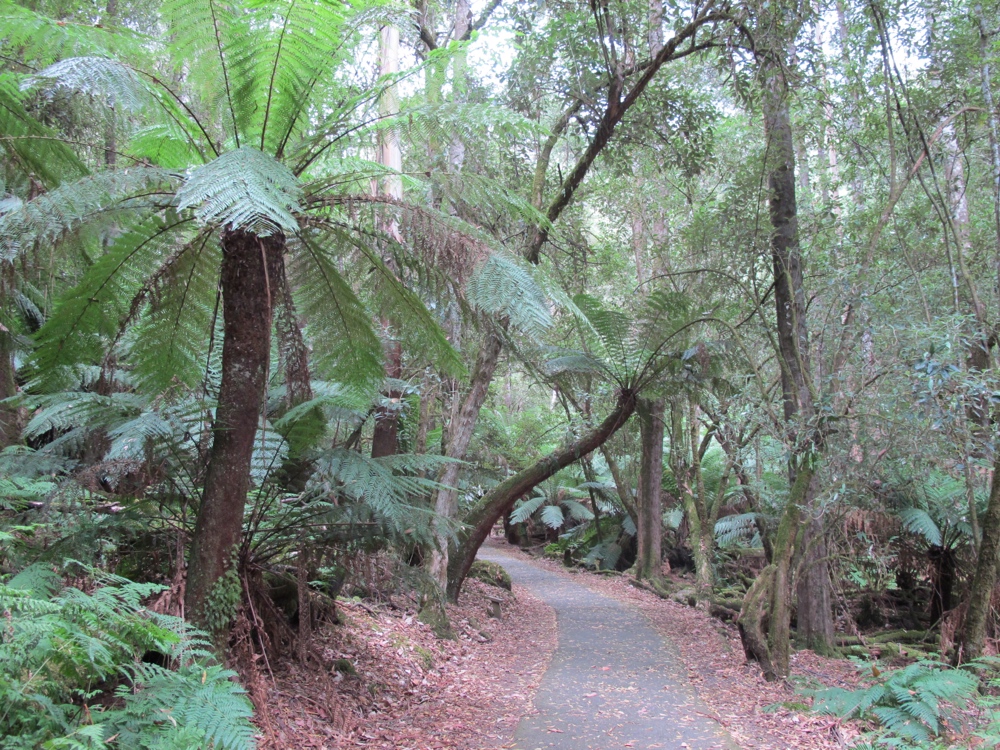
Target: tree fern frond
<point x="411" y="319"/>
<point x="919" y="522"/>
<point x="576" y="363"/>
<point x="100" y="77"/>
<point x="611" y="327"/>
<point x="673" y="518"/>
<point x="170" y="344"/>
<point x="51" y="215"/>
<point x="502" y="287"/>
<point x="243" y="189"/>
<point x="526" y="508"/>
<point x="577" y="511"/>
<point x="373" y="483"/>
<point x="41" y="39"/>
<point x="91" y="314"/>
<point x="347" y="350"/>
<point x="553" y="517"/>
<point x="30" y="146"/>
<point x="738" y="528"/>
<point x="204" y="37"/>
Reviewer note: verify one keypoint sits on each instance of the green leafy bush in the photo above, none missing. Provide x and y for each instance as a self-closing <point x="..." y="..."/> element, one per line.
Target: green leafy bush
<point x="72" y="675"/>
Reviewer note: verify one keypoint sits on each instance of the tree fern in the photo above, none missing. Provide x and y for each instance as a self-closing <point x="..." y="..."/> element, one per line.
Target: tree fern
<point x="243" y="189"/>
<point x="502" y="287"/>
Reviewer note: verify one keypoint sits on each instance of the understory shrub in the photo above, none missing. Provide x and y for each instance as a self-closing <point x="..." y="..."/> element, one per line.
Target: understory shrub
<point x="72" y="673"/>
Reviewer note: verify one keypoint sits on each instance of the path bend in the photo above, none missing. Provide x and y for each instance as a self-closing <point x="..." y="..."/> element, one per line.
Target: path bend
<point x="613" y="681"/>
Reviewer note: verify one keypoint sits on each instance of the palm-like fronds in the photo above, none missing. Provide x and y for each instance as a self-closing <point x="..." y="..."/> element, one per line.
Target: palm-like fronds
<point x="243" y="189"/>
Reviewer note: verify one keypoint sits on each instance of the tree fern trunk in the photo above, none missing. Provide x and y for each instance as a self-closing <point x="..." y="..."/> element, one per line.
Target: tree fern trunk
<point x="247" y="262"/>
<point x="501" y="498"/>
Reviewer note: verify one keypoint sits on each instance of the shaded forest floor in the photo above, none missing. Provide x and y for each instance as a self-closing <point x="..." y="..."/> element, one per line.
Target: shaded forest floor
<point x="413" y="691"/>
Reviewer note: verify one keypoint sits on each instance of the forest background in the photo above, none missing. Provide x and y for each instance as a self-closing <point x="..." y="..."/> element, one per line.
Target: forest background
<point x="289" y="285"/>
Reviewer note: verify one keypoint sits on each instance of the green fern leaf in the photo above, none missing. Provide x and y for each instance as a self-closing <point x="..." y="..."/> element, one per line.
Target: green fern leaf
<point x="243" y="189"/>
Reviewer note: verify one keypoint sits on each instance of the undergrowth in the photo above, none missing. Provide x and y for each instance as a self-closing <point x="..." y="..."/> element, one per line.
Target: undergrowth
<point x="73" y="674"/>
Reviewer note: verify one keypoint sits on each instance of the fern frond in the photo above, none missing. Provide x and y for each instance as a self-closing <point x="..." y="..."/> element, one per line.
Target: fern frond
<point x="51" y="215"/>
<point x="31" y="147"/>
<point x="576" y="363"/>
<point x="919" y="521"/>
<point x="526" y="508"/>
<point x="577" y="511"/>
<point x="170" y="342"/>
<point x="739" y="528"/>
<point x="243" y="189"/>
<point x="502" y="287"/>
<point x="100" y="77"/>
<point x="552" y="516"/>
<point x="347" y="350"/>
<point x="41" y="39"/>
<point x="90" y="316"/>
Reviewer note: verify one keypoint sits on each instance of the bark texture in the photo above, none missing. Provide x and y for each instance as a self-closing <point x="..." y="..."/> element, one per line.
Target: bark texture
<point x="247" y="263"/>
<point x="649" y="529"/>
<point x="498" y="501"/>
<point x="973" y="634"/>
<point x="463" y="424"/>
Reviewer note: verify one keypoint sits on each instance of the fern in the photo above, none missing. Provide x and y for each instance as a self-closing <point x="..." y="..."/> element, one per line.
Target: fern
<point x="913" y="704"/>
<point x="100" y="77"/>
<point x="28" y="145"/>
<point x="243" y="189"/>
<point x="65" y="209"/>
<point x="61" y="643"/>
<point x="502" y="287"/>
<point x="737" y="529"/>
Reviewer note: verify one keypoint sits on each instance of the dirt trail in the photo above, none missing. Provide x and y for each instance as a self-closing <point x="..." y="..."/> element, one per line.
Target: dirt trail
<point x="613" y="682"/>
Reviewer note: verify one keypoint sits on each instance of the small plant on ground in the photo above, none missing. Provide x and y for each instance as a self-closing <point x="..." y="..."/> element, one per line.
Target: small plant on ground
<point x="908" y="708"/>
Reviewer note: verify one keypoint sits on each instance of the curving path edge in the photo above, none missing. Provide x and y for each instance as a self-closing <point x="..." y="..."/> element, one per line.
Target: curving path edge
<point x="613" y="681"/>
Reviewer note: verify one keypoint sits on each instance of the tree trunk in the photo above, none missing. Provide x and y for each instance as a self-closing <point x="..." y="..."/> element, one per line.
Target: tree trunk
<point x="459" y="437"/>
<point x="767" y="605"/>
<point x="814" y="625"/>
<point x="649" y="530"/>
<point x="973" y="635"/>
<point x="793" y="344"/>
<point x="385" y="438"/>
<point x="501" y="498"/>
<point x="247" y="263"/>
<point x="10" y="427"/>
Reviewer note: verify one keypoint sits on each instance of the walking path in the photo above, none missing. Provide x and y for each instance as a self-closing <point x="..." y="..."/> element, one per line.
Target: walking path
<point x="613" y="681"/>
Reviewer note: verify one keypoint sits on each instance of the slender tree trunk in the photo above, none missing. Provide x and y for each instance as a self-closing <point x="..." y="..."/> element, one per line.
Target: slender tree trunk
<point x="649" y="530"/>
<point x="973" y="635"/>
<point x="459" y="437"/>
<point x="10" y="427"/>
<point x="247" y="262"/>
<point x="495" y="503"/>
<point x="385" y="439"/>
<point x="799" y="405"/>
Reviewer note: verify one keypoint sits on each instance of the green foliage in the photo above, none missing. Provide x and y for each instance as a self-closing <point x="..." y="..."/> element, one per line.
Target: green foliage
<point x="912" y="705"/>
<point x="71" y="675"/>
<point x="556" y="505"/>
<point x="243" y="189"/>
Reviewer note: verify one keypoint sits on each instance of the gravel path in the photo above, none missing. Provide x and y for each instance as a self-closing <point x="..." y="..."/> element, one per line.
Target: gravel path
<point x="613" y="681"/>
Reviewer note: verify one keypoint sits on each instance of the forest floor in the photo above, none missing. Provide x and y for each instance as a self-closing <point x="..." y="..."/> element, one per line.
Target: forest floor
<point x="412" y="691"/>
